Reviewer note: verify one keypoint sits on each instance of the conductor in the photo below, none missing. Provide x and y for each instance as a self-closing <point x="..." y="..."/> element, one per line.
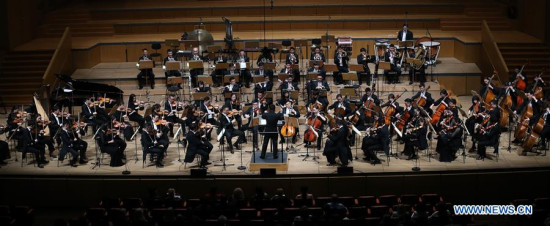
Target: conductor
<point x="271" y="119"/>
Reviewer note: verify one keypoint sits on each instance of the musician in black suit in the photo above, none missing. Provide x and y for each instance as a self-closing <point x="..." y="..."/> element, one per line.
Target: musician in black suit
<point x="425" y="95"/>
<point x="173" y="106"/>
<point x="4" y="148"/>
<point x="545" y="134"/>
<point x="363" y="59"/>
<point x="337" y="144"/>
<point x="292" y="57"/>
<point x="217" y="74"/>
<point x="341" y="104"/>
<point x="380" y="140"/>
<point x="488" y="85"/>
<point x="110" y="146"/>
<point x="404" y="34"/>
<point x="151" y="145"/>
<point x="68" y="145"/>
<point x="369" y="95"/>
<point x="289" y="85"/>
<point x="162" y="132"/>
<point x="253" y="112"/>
<point x="319" y="85"/>
<point x="291" y="72"/>
<point x="289" y="110"/>
<point x="90" y="115"/>
<point x="271" y="130"/>
<point x="196" y="146"/>
<point x="30" y="144"/>
<point x="235" y="105"/>
<point x="170" y="57"/>
<point x="317" y="69"/>
<point x="56" y="121"/>
<point x="392" y="57"/>
<point x="245" y="72"/>
<point x="201" y="88"/>
<point x="135" y="106"/>
<point x="489" y="137"/>
<point x="209" y="112"/>
<point x="341" y="60"/>
<point x="419" y="68"/>
<point x="197" y="71"/>
<point x="317" y="55"/>
<point x="414" y="135"/>
<point x="233" y="87"/>
<point x="226" y="122"/>
<point x="263" y="72"/>
<point x="263" y="102"/>
<point x="265" y="57"/>
<point x="266" y="85"/>
<point x="146" y="74"/>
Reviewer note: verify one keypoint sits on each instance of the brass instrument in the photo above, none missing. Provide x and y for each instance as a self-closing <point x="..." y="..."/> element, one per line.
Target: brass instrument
<point x="419" y="55"/>
<point x="317" y="57"/>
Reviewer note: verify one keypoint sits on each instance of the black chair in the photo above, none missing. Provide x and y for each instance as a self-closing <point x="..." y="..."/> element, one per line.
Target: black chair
<point x="388" y="200"/>
<point x="357" y="212"/>
<point x="378" y="210"/>
<point x="431" y="199"/>
<point x="367" y="201"/>
<point x="156" y="47"/>
<point x="410" y="199"/>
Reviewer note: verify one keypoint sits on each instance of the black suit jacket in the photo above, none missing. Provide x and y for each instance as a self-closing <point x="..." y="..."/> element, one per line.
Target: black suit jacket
<point x="271" y="121"/>
<point x="297" y="115"/>
<point x="166" y="59"/>
<point x="312" y="57"/>
<point x="236" y="88"/>
<point x="428" y="95"/>
<point x="87" y="111"/>
<point x="408" y="37"/>
<point x="266" y="73"/>
<point x="228" y="125"/>
<point x="26" y="138"/>
<point x="223" y="60"/>
<point x="288" y="61"/>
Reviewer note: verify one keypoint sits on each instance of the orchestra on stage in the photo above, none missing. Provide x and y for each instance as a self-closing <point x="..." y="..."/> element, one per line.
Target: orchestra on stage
<point x="432" y="122"/>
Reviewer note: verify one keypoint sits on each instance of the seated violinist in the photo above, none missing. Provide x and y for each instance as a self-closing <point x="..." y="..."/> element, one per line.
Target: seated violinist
<point x="173" y="107"/>
<point x="377" y="138"/>
<point x="285" y="98"/>
<point x="489" y="134"/>
<point x="337" y="144"/>
<point x="161" y="132"/>
<point x="253" y="112"/>
<point x="151" y="140"/>
<point x="134" y="105"/>
<point x="110" y="145"/>
<point x="341" y="107"/>
<point x="449" y="139"/>
<point x="226" y="126"/>
<point x="289" y="110"/>
<point x="29" y="143"/>
<point x="209" y="112"/>
<point x="263" y="101"/>
<point x="235" y="105"/>
<point x="476" y="113"/>
<point x="72" y="144"/>
<point x="90" y="115"/>
<point x="414" y="135"/>
<point x="118" y="122"/>
<point x="196" y="145"/>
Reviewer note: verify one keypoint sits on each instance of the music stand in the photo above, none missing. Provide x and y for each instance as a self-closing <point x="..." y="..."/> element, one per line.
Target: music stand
<point x="313" y="62"/>
<point x="205" y="79"/>
<point x="173" y="65"/>
<point x="312" y="76"/>
<point x="269" y="95"/>
<point x="269" y="66"/>
<point x="220" y="66"/>
<point x="384" y="65"/>
<point x="405" y="44"/>
<point x="282" y="76"/>
<point x="356" y="67"/>
<point x="174" y="81"/>
<point x="349" y="77"/>
<point x="257" y="79"/>
<point x="350" y="92"/>
<point x="227" y="95"/>
<point x="331" y="67"/>
<point x="199" y="96"/>
<point x="295" y="67"/>
<point x="172" y="43"/>
<point x="227" y="78"/>
<point x="145" y="64"/>
<point x="195" y="64"/>
<point x="255" y="122"/>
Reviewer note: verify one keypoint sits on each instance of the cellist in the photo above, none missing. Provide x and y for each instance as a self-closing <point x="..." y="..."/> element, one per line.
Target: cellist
<point x="537" y="86"/>
<point x="372" y="98"/>
<point x="290" y="111"/>
<point x="475" y="116"/>
<point x="530" y="102"/>
<point x="391" y="104"/>
<point x="488" y="86"/>
<point x="341" y="106"/>
<point x="427" y="96"/>
<point x="378" y="140"/>
<point x="315" y="115"/>
<point x="443" y="99"/>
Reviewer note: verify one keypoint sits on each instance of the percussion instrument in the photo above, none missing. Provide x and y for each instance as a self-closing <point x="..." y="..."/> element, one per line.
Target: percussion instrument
<point x="432" y="49"/>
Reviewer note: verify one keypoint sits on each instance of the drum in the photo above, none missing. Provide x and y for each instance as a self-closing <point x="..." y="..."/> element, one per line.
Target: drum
<point x="380" y="49"/>
<point x="432" y="51"/>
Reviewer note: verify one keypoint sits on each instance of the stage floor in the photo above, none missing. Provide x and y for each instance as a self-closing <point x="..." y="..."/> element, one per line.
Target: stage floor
<point x="296" y="165"/>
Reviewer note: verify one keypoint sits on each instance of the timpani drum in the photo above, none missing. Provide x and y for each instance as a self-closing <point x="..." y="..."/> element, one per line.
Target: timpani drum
<point x="432" y="51"/>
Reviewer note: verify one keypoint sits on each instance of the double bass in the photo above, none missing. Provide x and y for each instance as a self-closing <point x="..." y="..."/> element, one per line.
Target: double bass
<point x="519" y="83"/>
<point x="489" y="96"/>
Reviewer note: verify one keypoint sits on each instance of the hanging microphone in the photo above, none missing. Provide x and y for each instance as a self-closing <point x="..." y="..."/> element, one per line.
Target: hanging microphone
<point x="271" y="4"/>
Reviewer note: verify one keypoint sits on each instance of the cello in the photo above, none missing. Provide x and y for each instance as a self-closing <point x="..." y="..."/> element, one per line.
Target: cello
<point x="420" y="101"/>
<point x="390" y="110"/>
<point x="439" y="111"/>
<point x="288" y="130"/>
<point x="369" y="103"/>
<point x="310" y="135"/>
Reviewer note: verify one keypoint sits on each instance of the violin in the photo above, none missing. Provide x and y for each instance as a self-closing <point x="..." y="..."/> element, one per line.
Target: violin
<point x="161" y="122"/>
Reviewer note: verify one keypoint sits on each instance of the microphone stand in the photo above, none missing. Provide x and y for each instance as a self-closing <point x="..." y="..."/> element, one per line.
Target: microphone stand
<point x="432" y="64"/>
<point x="98" y="160"/>
<point x="135" y="143"/>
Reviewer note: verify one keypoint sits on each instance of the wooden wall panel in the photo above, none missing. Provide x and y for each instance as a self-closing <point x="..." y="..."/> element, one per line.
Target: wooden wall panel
<point x="113" y="53"/>
<point x="84" y="59"/>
